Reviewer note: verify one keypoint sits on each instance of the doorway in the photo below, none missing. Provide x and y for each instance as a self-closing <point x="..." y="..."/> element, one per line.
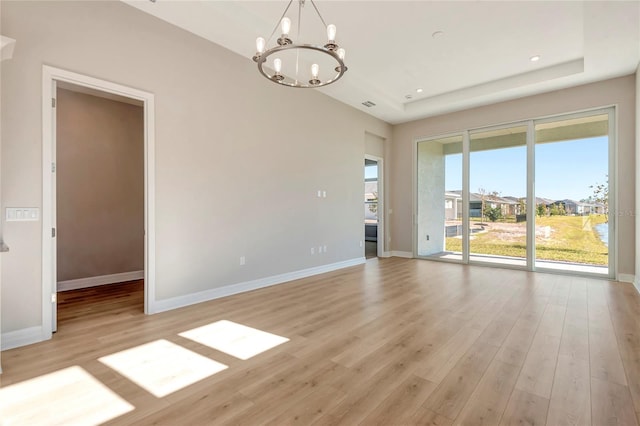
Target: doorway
<point x="88" y="175"/>
<point x="373" y="224"/>
<point x="99" y="202"/>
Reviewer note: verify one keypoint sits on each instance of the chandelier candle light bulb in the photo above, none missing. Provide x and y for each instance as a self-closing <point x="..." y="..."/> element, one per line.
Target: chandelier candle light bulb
<point x="314" y="75"/>
<point x="260" y="43"/>
<point x="331" y="36"/>
<point x="341" y="52"/>
<point x="331" y="32"/>
<point x="277" y="66"/>
<point x="305" y="53"/>
<point x="286" y="26"/>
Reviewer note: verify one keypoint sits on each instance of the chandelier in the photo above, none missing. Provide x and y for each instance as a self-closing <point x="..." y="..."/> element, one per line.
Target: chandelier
<point x="297" y="64"/>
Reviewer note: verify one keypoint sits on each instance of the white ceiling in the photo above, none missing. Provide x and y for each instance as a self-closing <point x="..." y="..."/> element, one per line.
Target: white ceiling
<point x="481" y="58"/>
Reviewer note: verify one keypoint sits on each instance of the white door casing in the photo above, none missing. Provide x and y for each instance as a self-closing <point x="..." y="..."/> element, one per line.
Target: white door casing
<point x="50" y="75"/>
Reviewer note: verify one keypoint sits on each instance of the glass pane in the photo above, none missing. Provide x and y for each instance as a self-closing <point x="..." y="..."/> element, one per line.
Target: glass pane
<point x="497" y="196"/>
<point x="371" y="208"/>
<point x="572" y="167"/>
<point x="439" y="213"/>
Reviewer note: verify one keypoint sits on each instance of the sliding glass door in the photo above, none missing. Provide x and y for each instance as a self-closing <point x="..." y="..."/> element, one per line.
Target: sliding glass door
<point x="572" y="194"/>
<point x="497" y="195"/>
<point x="533" y="195"/>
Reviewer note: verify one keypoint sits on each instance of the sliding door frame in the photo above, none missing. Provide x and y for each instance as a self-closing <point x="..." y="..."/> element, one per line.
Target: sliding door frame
<point x="467" y="236"/>
<point x="612" y="165"/>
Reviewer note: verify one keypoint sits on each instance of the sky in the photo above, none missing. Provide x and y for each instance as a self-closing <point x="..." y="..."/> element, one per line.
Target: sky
<point x="563" y="169"/>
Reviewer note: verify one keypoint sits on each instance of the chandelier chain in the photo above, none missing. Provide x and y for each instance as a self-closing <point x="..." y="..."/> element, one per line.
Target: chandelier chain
<point x="319" y="14"/>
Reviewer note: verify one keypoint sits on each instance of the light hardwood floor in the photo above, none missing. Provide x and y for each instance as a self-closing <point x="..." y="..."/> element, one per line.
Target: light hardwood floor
<point x="392" y="342"/>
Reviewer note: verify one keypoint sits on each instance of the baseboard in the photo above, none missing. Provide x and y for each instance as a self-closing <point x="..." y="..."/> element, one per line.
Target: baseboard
<point x="215" y="293"/>
<point x="23" y="337"/>
<point x="386" y="254"/>
<point x="627" y="278"/>
<point x="100" y="280"/>
<point x="405" y="254"/>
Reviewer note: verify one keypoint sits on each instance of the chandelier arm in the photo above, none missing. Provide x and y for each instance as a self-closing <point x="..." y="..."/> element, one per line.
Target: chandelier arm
<point x="318" y="12"/>
<point x="280" y="20"/>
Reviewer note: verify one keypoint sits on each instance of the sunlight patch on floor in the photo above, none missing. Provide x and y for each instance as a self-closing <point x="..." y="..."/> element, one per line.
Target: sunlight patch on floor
<point x="70" y="396"/>
<point x="234" y="339"/>
<point x="162" y="367"/>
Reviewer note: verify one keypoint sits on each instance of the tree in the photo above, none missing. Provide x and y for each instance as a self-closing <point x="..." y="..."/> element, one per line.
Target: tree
<point x="483" y="194"/>
<point x="601" y="194"/>
<point x="492" y="213"/>
<point x="522" y="206"/>
<point x="541" y="210"/>
<point x="557" y="209"/>
<point x="373" y="207"/>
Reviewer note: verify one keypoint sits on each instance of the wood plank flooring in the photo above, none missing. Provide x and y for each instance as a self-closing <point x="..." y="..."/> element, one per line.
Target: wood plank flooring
<point x="392" y="342"/>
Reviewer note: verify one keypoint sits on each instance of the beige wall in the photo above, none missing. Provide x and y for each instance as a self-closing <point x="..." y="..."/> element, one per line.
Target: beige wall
<point x="637" y="210"/>
<point x="238" y="159"/>
<point x="619" y="91"/>
<point x="100" y="186"/>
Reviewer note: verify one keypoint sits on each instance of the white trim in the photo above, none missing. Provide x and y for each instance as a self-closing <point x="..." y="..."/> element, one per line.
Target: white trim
<point x="215" y="293"/>
<point x="23" y="337"/>
<point x="49" y="76"/>
<point x="100" y="280"/>
<point x="636" y="284"/>
<point x="386" y="254"/>
<point x="627" y="278"/>
<point x="405" y="254"/>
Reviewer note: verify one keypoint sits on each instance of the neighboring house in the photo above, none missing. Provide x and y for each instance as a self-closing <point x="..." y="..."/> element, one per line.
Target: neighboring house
<point x="453" y="205"/>
<point x="580" y="208"/>
<point x="512" y="206"/>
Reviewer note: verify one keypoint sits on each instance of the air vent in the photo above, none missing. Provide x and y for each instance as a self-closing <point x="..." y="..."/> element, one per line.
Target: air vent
<point x="368" y="104"/>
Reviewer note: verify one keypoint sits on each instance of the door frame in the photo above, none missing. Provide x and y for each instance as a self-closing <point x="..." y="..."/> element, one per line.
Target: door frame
<point x="50" y="75"/>
<point x="380" y="243"/>
<point x="610" y="110"/>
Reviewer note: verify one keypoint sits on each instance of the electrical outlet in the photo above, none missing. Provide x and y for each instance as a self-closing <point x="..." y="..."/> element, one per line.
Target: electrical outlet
<point x="324" y="249"/>
<point x="313" y="250"/>
<point x="360" y="243"/>
<point x="427" y="237"/>
<point x="243" y="260"/>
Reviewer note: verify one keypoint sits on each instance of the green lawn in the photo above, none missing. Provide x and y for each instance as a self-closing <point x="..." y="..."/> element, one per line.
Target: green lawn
<point x="572" y="239"/>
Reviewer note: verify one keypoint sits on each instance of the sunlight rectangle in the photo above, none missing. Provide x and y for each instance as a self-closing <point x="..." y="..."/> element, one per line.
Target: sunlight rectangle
<point x="162" y="367"/>
<point x="70" y="396"/>
<point x="234" y="339"/>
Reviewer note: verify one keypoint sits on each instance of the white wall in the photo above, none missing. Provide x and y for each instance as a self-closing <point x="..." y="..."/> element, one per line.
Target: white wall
<point x="228" y="144"/>
<point x="431" y="180"/>
<point x="620" y="91"/>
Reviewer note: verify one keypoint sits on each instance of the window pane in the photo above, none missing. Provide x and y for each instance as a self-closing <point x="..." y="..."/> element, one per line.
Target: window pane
<point x="572" y="167"/>
<point x="498" y="190"/>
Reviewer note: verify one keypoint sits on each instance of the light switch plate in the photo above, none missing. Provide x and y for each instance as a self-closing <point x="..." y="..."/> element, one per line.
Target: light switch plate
<point x="22" y="214"/>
